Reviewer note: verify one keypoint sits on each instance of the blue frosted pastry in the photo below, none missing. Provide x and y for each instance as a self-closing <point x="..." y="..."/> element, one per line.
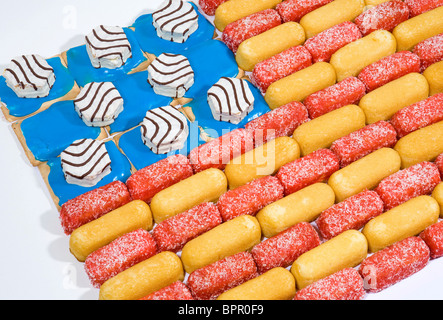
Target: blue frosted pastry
<point x="175" y="20"/>
<point x="29" y="76"/>
<point x="164" y="130"/>
<point x="171" y="75"/>
<point x="63" y="191"/>
<point x="85" y="162"/>
<point x="203" y="65"/>
<point x="85" y="69"/>
<point x="214" y="125"/>
<point x="98" y="104"/>
<point x="108" y="47"/>
<point x="46" y="134"/>
<point x="230" y="100"/>
<point x="138" y="97"/>
<point x="210" y="61"/>
<point x="172" y="42"/>
<point x="15" y="106"/>
<point x="140" y="155"/>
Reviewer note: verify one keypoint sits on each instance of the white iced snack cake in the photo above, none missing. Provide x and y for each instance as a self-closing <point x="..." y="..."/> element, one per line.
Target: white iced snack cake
<point x="170" y="75"/>
<point x="29" y="76"/>
<point x="98" y="104"/>
<point x="164" y="129"/>
<point x="108" y="47"/>
<point x="175" y="21"/>
<point x="85" y="162"/>
<point x="230" y="100"/>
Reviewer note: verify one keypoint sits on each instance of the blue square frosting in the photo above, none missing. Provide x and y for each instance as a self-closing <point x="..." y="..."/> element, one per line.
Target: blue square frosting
<point x="21" y="107"/>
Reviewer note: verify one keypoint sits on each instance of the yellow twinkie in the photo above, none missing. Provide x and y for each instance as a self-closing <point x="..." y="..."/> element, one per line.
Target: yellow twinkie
<point x="385" y="101"/>
<point x="234" y="10"/>
<point x="304" y="205"/>
<point x="331" y="14"/>
<point x="205" y="186"/>
<point x="346" y="250"/>
<point x="321" y="132"/>
<point x="269" y="43"/>
<point x="424" y="144"/>
<point x="419" y="28"/>
<point x="353" y="57"/>
<point x="299" y="85"/>
<point x="406" y="220"/>
<point x="434" y="76"/>
<point x="100" y="232"/>
<point x="261" y="161"/>
<point x="275" y="284"/>
<point x="233" y="236"/>
<point x="437" y="194"/>
<point x="144" y="278"/>
<point x="364" y="173"/>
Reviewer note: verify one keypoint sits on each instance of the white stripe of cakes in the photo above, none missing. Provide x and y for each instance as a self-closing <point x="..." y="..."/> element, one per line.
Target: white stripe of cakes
<point x="85" y="162"/>
<point x="170" y="75"/>
<point x="164" y="129"/>
<point x="98" y="104"/>
<point x="108" y="47"/>
<point x="30" y="76"/>
<point x="176" y="20"/>
<point x="230" y="100"/>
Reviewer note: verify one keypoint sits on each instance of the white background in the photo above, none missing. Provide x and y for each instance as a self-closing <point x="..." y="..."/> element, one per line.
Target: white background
<point x="35" y="259"/>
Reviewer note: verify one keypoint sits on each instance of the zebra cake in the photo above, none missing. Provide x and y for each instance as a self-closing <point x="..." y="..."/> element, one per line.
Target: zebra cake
<point x="164" y="129"/>
<point x="108" y="47"/>
<point x="176" y="20"/>
<point x="230" y="100"/>
<point x="85" y="162"/>
<point x="171" y="75"/>
<point x="29" y="76"/>
<point x="98" y="104"/>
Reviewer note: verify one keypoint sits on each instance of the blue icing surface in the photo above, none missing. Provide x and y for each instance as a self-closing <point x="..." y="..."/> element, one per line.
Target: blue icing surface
<point x="138" y="97"/>
<point x="141" y="156"/>
<point x="83" y="72"/>
<point x="215" y="128"/>
<point x="20" y="107"/>
<point x="210" y="61"/>
<point x="151" y="43"/>
<point x="120" y="170"/>
<point x="51" y="131"/>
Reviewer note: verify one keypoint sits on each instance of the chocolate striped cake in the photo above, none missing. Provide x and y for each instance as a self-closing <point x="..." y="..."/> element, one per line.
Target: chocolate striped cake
<point x="98" y="104"/>
<point x="30" y="76"/>
<point x="230" y="100"/>
<point x="170" y="75"/>
<point x="85" y="162"/>
<point x="175" y="20"/>
<point x="164" y="129"/>
<point x="108" y="47"/>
